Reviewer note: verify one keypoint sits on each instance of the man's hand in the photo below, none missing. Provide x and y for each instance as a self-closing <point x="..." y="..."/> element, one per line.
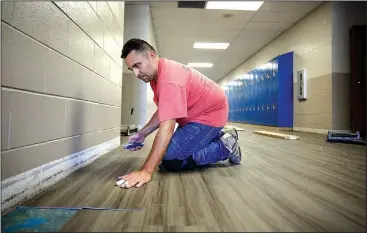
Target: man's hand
<point x="160" y="144"/>
<point x="136" y="179"/>
<point x="136" y="138"/>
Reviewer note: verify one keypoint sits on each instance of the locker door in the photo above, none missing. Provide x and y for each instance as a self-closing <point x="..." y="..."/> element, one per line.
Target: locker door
<point x="256" y="97"/>
<point x="258" y="113"/>
<point x="262" y="96"/>
<point x="275" y="93"/>
<point x="250" y="98"/>
<point x="231" y="102"/>
<point x="242" y="100"/>
<point x="267" y="96"/>
<point x="237" y="99"/>
<point x="245" y="119"/>
<point x="236" y="102"/>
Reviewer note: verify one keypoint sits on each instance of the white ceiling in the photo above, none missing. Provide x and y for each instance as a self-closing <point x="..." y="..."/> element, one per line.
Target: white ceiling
<point x="247" y="31"/>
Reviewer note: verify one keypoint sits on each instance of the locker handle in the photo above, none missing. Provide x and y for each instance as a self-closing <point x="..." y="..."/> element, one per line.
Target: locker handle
<point x="274" y="106"/>
<point x="258" y="107"/>
<point x="263" y="107"/>
<point x="268" y="106"/>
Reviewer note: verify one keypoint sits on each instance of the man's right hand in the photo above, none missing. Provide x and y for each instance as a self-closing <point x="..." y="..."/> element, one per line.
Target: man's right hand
<point x="136" y="138"/>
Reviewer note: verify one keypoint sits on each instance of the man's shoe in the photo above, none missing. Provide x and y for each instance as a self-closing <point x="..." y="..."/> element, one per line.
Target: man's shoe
<point x="232" y="131"/>
<point x="231" y="143"/>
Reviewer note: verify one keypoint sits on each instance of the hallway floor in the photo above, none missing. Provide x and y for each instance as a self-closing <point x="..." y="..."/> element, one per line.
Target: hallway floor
<point x="281" y="185"/>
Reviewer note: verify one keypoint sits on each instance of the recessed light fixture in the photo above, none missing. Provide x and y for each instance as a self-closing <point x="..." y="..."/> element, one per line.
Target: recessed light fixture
<point x="234" y="5"/>
<point x="210" y="45"/>
<point x="200" y="65"/>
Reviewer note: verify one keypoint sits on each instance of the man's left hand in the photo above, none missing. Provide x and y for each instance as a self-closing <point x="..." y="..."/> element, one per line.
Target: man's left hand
<point x="136" y="179"/>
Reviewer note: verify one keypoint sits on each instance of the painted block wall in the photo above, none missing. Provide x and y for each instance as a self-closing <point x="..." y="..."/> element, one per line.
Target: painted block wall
<point x="61" y="90"/>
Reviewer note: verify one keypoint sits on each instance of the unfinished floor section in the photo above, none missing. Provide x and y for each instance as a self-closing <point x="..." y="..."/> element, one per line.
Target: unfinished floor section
<point x="281" y="185"/>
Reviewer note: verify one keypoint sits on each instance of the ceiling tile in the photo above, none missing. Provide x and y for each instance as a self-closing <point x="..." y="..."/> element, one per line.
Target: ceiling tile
<point x="199" y="24"/>
<point x="254" y="33"/>
<point x="268" y="26"/>
<point x="277" y="17"/>
<point x="201" y="14"/>
<point x="298" y="6"/>
<point x="161" y="5"/>
<point x="244" y="45"/>
<point x="205" y="35"/>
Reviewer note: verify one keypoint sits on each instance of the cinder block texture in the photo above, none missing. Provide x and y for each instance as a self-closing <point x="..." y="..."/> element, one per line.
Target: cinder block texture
<point x="61" y="79"/>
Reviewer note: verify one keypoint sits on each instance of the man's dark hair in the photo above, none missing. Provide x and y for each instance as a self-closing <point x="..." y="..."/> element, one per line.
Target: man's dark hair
<point x="138" y="45"/>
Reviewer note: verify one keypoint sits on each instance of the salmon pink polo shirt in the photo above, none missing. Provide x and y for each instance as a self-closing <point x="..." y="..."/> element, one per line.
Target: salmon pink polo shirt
<point x="184" y="94"/>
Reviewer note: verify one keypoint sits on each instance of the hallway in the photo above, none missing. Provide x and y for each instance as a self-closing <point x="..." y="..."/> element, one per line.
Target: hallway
<point x="281" y="185"/>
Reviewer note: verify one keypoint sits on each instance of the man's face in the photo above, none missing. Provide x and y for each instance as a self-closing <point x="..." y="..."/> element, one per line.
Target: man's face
<point x="144" y="65"/>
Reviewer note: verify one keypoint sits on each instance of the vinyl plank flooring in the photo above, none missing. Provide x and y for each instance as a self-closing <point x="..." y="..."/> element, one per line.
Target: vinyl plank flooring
<point x="281" y="185"/>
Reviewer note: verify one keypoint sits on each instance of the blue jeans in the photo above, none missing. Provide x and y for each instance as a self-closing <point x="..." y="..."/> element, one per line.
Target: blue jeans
<point x="194" y="145"/>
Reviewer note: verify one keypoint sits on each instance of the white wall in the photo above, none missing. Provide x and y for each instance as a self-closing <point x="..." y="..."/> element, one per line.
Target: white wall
<point x="61" y="90"/>
<point x="151" y="107"/>
<point x="141" y="95"/>
<point x="311" y="41"/>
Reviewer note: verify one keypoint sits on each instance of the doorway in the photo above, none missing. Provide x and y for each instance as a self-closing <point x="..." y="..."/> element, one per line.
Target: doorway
<point x="357" y="35"/>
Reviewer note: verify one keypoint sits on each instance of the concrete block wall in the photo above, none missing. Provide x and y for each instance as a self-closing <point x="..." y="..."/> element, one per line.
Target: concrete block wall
<point x="61" y="90"/>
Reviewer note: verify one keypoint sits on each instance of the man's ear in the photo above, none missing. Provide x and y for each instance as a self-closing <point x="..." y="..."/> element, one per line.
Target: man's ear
<point x="153" y="54"/>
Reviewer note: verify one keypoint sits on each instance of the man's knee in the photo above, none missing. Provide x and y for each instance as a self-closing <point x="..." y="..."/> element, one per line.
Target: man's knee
<point x="173" y="150"/>
<point x="172" y="165"/>
<point x="179" y="165"/>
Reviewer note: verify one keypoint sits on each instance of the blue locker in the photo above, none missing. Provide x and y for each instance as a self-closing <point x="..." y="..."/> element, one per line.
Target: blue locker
<point x="285" y="90"/>
<point x="234" y="103"/>
<point x="267" y="94"/>
<point x="243" y="101"/>
<point x="268" y="79"/>
<point x="247" y="101"/>
<point x="231" y="102"/>
<point x="273" y="97"/>
<point x="239" y="100"/>
<point x="258" y="95"/>
<point x="255" y="97"/>
<point x="262" y="91"/>
<point x="252" y="93"/>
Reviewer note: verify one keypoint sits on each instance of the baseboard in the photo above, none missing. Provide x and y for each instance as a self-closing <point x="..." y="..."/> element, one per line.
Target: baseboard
<point x="24" y="186"/>
<point x="310" y="130"/>
<point x="274" y="128"/>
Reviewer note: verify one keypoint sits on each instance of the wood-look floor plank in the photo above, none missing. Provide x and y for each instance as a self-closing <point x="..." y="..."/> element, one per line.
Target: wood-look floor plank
<point x="281" y="185"/>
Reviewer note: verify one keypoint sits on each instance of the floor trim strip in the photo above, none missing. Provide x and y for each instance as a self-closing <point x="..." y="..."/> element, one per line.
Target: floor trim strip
<point x="79" y="208"/>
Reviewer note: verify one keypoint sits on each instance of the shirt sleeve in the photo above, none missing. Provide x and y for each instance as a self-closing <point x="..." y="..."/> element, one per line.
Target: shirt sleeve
<point x="172" y="102"/>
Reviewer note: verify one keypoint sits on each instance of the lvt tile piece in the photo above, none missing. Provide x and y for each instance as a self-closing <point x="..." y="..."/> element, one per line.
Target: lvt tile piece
<point x="281" y="185"/>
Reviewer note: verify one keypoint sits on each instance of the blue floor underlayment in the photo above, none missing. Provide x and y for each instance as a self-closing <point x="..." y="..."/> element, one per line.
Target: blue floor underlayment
<point x="24" y="219"/>
<point x="43" y="219"/>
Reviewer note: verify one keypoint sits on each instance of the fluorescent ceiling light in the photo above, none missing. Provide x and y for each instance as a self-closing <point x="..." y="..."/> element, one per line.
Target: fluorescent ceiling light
<point x="234" y="5"/>
<point x="201" y="65"/>
<point x="210" y="45"/>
